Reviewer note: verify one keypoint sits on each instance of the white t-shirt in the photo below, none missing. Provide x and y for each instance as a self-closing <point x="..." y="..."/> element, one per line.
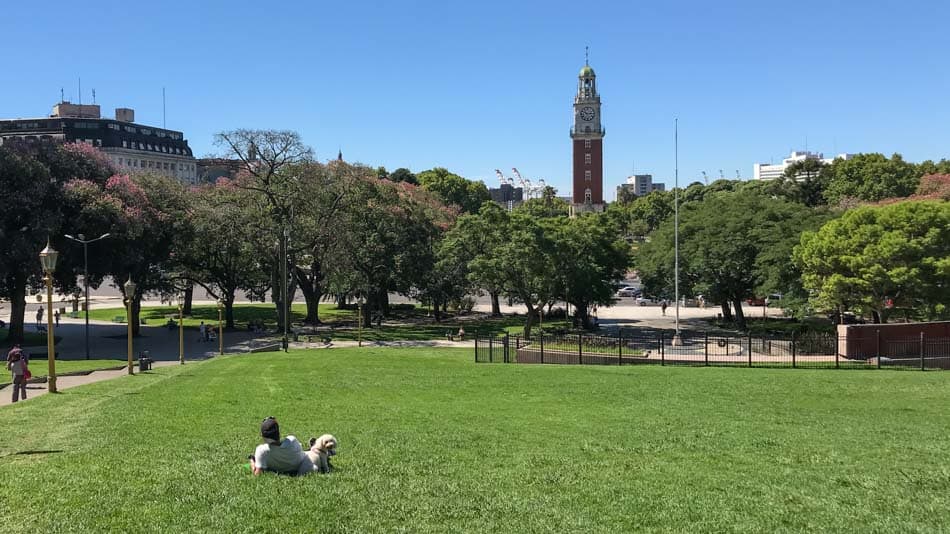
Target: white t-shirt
<point x="287" y="457"/>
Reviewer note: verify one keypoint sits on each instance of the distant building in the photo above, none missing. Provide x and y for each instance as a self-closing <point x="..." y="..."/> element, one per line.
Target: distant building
<point x="767" y="171"/>
<point x="507" y="195"/>
<point x="130" y="146"/>
<point x="640" y="185"/>
<point x="210" y="169"/>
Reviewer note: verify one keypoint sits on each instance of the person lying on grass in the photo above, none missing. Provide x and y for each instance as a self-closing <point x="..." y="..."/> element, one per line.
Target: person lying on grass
<point x="287" y="456"/>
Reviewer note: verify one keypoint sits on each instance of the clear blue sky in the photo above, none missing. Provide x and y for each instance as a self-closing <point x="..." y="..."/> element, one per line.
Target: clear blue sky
<point x="476" y="86"/>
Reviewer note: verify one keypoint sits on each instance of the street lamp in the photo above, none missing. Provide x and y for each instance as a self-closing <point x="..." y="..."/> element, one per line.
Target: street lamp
<point x="80" y="238"/>
<point x="220" y="329"/>
<point x="359" y="303"/>
<point x="129" y="296"/>
<point x="181" y="328"/>
<point x="48" y="258"/>
<point x="283" y="283"/>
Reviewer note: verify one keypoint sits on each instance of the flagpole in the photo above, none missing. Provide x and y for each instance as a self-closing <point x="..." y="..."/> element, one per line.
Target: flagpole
<point x="676" y="229"/>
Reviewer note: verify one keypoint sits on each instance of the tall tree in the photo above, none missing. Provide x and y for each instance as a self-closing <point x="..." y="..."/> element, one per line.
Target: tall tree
<point x="590" y="255"/>
<point x="222" y="257"/>
<point x="468" y="195"/>
<point x="523" y="263"/>
<point x="881" y="258"/>
<point x="732" y="246"/>
<point x="871" y="177"/>
<point x="32" y="176"/>
<point x="266" y="158"/>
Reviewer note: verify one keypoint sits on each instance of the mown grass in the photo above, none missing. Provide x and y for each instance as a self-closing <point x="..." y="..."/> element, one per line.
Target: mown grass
<point x="40" y="366"/>
<point x="431" y="442"/>
<point x="403" y="324"/>
<point x="30" y="337"/>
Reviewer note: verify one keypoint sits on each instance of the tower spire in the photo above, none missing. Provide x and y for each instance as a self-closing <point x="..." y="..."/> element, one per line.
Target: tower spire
<point x="587" y="55"/>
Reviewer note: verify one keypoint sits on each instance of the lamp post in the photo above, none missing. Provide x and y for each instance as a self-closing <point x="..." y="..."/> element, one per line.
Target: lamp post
<point x="80" y="238"/>
<point x="283" y="283"/>
<point x="129" y="297"/>
<point x="181" y="329"/>
<point x="359" y="303"/>
<point x="48" y="258"/>
<point x="220" y="329"/>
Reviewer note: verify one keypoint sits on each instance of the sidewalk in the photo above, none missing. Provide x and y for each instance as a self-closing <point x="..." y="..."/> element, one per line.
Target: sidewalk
<point x="66" y="382"/>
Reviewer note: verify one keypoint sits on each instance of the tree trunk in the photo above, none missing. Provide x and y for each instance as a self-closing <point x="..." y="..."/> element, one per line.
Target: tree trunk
<point x="529" y="320"/>
<point x="582" y="315"/>
<point x="17" y="310"/>
<point x="437" y="310"/>
<point x="726" y="310"/>
<point x="229" y="309"/>
<point x="310" y="287"/>
<point x="189" y="296"/>
<point x="495" y="305"/>
<point x="740" y="316"/>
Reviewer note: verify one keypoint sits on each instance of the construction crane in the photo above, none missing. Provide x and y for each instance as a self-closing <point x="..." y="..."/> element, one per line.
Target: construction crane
<point x="502" y="178"/>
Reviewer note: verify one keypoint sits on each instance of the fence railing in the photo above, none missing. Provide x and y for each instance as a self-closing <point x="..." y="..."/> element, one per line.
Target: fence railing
<point x="813" y="350"/>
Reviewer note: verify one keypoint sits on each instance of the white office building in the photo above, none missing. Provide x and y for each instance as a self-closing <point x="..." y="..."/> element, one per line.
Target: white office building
<point x="768" y="171"/>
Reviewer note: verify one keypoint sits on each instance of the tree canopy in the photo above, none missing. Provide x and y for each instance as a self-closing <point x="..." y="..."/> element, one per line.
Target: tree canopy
<point x="879" y="259"/>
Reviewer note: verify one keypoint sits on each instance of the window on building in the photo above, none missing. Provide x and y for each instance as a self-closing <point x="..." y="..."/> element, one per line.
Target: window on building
<point x="587" y="196"/>
<point x="125" y="144"/>
<point x="173" y="167"/>
<point x="587" y="176"/>
<point x="586" y="143"/>
<point x="587" y="159"/>
<point x="165" y="166"/>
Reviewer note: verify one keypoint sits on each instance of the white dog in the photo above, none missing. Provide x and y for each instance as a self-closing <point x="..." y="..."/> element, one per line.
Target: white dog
<point x="321" y="449"/>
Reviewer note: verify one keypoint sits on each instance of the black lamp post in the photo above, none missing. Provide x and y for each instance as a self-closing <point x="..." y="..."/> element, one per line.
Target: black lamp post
<point x="80" y="238"/>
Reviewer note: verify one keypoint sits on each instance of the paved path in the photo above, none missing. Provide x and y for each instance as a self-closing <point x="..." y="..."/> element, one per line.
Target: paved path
<point x="66" y="382"/>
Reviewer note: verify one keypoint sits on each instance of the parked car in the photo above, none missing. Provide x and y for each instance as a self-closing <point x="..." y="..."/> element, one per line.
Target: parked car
<point x="628" y="291"/>
<point x="644" y="300"/>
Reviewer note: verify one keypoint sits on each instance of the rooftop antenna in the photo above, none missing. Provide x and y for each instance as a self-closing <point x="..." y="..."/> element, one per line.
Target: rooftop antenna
<point x="62" y="95"/>
<point x="93" y="96"/>
<point x="163" y="108"/>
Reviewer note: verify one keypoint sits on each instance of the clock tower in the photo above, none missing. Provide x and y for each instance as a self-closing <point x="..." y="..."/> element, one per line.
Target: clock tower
<point x="587" y="134"/>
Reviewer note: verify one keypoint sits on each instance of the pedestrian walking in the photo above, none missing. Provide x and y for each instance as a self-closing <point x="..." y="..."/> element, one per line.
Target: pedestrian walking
<point x="56" y="317"/>
<point x="663" y="306"/>
<point x="39" y="316"/>
<point x="203" y="332"/>
<point x="17" y="365"/>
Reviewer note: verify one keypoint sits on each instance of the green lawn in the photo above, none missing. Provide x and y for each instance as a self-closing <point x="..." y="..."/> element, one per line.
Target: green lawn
<point x="40" y="366"/>
<point x="432" y="442"/>
<point x="402" y="325"/>
<point x="30" y="336"/>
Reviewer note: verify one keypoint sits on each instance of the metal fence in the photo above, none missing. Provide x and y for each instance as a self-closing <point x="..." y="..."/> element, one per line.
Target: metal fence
<point x="814" y="350"/>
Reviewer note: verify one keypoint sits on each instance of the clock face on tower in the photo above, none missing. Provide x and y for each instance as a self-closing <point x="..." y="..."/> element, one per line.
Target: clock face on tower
<point x="587" y="113"/>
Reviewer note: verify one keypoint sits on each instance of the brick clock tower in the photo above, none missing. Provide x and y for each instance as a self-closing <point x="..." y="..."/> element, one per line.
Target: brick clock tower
<point x="587" y="135"/>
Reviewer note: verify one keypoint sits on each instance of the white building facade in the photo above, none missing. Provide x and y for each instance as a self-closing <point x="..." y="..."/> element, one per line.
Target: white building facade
<point x="768" y="171"/>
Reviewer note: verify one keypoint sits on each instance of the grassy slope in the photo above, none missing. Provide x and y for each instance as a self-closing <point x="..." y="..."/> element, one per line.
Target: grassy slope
<point x="433" y="442"/>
